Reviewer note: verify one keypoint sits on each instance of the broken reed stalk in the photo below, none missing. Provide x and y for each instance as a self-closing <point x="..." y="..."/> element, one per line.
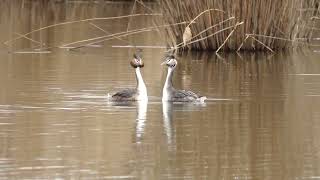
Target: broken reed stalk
<point x="78" y="21"/>
<point x="201" y="39"/>
<point x="117" y="35"/>
<point x="106" y="32"/>
<point x="105" y="39"/>
<point x="245" y="39"/>
<point x="280" y="19"/>
<point x="208" y="10"/>
<point x="220" y="23"/>
<point x="262" y="43"/>
<point x="222" y="30"/>
<point x="235" y="27"/>
<point x="270" y="37"/>
<point x="133" y="7"/>
<point x="187" y="34"/>
<point x="32" y="40"/>
<point x="146" y="7"/>
<point x="284" y="39"/>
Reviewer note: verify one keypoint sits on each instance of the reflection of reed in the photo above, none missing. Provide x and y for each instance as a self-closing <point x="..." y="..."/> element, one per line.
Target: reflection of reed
<point x="260" y="134"/>
<point x="235" y="76"/>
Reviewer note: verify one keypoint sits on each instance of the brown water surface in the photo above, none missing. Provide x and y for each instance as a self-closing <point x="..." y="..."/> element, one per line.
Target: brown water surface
<point x="261" y="120"/>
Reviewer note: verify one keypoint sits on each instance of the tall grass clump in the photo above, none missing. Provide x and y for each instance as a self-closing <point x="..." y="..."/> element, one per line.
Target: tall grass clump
<point x="240" y="24"/>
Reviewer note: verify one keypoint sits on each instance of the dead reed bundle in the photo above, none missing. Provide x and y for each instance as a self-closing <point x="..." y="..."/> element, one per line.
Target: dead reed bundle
<point x="267" y="24"/>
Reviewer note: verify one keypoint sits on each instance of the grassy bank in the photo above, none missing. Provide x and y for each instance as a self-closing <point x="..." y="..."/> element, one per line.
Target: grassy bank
<point x="262" y="24"/>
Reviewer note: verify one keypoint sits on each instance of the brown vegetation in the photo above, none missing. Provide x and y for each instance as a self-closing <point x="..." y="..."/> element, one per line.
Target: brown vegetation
<point x="240" y="25"/>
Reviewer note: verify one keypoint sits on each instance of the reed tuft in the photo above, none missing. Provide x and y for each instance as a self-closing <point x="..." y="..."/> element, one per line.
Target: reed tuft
<point x="267" y="24"/>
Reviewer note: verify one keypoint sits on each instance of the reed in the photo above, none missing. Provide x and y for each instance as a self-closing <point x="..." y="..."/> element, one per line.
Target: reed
<point x="267" y="24"/>
<point x="76" y="21"/>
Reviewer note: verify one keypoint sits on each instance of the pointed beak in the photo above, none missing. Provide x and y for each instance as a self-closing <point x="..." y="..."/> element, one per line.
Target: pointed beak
<point x="164" y="62"/>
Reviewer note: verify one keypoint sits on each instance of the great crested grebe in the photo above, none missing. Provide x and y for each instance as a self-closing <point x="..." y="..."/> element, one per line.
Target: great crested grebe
<point x="169" y="93"/>
<point x="135" y="94"/>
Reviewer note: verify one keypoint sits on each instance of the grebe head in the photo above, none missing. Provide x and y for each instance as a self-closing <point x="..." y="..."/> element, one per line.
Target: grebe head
<point x="170" y="61"/>
<point x="136" y="61"/>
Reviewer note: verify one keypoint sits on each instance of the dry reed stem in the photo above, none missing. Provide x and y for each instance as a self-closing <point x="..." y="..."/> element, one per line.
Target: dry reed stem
<point x="213" y="26"/>
<point x="120" y="34"/>
<point x="262" y="44"/>
<point x="271" y="37"/>
<point x="283" y="39"/>
<point x="106" y="32"/>
<point x="187" y="35"/>
<point x="146" y="7"/>
<point x="239" y="55"/>
<point x="229" y="27"/>
<point x="139" y="46"/>
<point x="21" y="35"/>
<point x="83" y="20"/>
<point x="219" y="57"/>
<point x="132" y="10"/>
<point x="235" y="26"/>
<point x="245" y="39"/>
<point x="283" y="19"/>
<point x="103" y="40"/>
<point x="208" y="10"/>
<point x="31" y="52"/>
<point x="96" y="26"/>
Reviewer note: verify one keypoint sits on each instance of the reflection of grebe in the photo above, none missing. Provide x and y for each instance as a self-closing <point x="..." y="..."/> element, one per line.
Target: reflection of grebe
<point x="169" y="93"/>
<point x="167" y="120"/>
<point x="141" y="118"/>
<point x="140" y="92"/>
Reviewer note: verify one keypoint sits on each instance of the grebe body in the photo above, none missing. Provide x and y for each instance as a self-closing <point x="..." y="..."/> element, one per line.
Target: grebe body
<point x="135" y="94"/>
<point x="169" y="93"/>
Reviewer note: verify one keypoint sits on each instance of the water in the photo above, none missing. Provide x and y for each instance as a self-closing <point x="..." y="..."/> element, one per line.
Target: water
<point x="261" y="120"/>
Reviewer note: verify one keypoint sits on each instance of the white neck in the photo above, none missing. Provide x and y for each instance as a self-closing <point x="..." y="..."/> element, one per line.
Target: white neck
<point x="167" y="85"/>
<point x="141" y="87"/>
